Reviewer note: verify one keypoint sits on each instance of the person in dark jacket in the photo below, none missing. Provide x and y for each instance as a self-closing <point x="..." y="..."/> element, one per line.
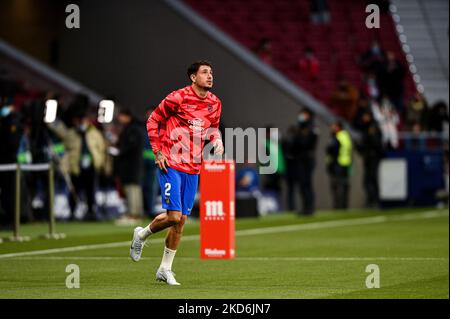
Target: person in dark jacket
<point x="392" y="81"/>
<point x="129" y="162"/>
<point x="10" y="135"/>
<point x="438" y="116"/>
<point x="149" y="177"/>
<point x="291" y="165"/>
<point x="371" y="149"/>
<point x="300" y="149"/>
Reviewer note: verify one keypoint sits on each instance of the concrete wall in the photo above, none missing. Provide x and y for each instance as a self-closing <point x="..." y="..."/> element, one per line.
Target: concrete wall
<point x="139" y="51"/>
<point x="32" y="26"/>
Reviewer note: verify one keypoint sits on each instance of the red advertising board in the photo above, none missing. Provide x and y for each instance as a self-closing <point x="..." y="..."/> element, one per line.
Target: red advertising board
<point x="217" y="209"/>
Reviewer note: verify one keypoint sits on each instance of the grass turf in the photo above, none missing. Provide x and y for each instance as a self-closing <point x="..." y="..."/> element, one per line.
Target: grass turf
<point x="410" y="247"/>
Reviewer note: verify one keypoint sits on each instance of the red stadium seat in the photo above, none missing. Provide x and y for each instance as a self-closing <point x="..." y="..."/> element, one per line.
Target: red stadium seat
<point x="287" y="24"/>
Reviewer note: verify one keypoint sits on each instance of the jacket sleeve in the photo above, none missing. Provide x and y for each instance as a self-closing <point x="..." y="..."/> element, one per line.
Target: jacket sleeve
<point x="59" y="128"/>
<point x="214" y="132"/>
<point x="159" y="116"/>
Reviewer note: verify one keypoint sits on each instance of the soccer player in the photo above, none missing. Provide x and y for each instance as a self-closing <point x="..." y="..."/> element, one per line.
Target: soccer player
<point x="177" y="129"/>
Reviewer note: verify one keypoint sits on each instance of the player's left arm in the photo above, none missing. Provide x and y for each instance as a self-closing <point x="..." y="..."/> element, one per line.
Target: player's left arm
<point x="215" y="135"/>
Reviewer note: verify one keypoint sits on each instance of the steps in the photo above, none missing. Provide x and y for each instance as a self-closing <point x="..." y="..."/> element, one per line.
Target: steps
<point x="425" y="25"/>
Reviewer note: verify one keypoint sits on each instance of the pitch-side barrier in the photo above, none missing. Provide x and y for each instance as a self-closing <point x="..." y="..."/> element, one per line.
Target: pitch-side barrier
<point x="19" y="168"/>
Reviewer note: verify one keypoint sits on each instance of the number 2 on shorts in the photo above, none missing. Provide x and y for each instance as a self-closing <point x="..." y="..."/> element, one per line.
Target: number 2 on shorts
<point x="167" y="187"/>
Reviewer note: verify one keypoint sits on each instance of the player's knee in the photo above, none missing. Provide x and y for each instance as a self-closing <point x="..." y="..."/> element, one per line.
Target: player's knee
<point x="174" y="219"/>
<point x="180" y="225"/>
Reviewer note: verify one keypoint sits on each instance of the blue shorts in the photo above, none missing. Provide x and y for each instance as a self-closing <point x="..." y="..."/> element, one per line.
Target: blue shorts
<point x="178" y="190"/>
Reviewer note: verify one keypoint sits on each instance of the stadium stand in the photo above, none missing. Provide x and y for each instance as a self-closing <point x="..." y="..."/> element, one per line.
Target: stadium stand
<point x="286" y="23"/>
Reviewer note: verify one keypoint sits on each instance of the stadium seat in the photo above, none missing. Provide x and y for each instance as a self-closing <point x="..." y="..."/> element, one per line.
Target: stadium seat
<point x="287" y="24"/>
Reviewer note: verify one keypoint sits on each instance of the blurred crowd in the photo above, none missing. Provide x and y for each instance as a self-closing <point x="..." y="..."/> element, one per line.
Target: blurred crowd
<point x="88" y="156"/>
<point x="297" y="158"/>
<point x="383" y="117"/>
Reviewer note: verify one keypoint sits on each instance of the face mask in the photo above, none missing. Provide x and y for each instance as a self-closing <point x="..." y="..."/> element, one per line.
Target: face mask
<point x="83" y="127"/>
<point x="375" y="49"/>
<point x="5" y="111"/>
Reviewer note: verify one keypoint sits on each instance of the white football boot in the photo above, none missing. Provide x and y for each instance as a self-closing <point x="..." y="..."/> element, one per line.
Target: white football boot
<point x="167" y="276"/>
<point x="136" y="245"/>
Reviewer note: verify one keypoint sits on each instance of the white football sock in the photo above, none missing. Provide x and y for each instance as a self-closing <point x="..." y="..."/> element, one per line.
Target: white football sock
<point x="144" y="233"/>
<point x="167" y="259"/>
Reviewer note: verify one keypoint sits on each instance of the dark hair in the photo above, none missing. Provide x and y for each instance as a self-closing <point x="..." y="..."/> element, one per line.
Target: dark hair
<point x="307" y="110"/>
<point x="126" y="111"/>
<point x="193" y="68"/>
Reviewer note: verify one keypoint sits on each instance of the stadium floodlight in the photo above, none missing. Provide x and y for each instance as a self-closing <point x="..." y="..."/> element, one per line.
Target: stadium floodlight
<point x="105" y="111"/>
<point x="51" y="108"/>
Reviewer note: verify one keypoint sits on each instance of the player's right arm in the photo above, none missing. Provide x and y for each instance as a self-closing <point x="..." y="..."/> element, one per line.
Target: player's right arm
<point x="167" y="108"/>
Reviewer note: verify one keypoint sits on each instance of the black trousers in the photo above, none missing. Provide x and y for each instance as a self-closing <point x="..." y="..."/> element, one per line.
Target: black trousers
<point x="83" y="183"/>
<point x="306" y="171"/>
<point x="340" y="186"/>
<point x="7" y="197"/>
<point x="370" y="181"/>
<point x="301" y="174"/>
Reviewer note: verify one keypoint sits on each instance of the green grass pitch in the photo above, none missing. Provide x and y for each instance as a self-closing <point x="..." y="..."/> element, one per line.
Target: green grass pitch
<point x="283" y="256"/>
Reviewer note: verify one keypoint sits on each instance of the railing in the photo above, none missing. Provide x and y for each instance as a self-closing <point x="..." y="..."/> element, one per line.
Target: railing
<point x="19" y="168"/>
<point x="423" y="141"/>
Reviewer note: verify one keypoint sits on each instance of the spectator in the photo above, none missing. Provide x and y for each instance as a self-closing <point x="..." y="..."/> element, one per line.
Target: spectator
<point x="392" y="81"/>
<point x="60" y="156"/>
<point x="10" y="136"/>
<point x="344" y="100"/>
<point x="373" y="60"/>
<point x="24" y="156"/>
<point x="264" y="50"/>
<point x="272" y="147"/>
<point x="320" y="14"/>
<point x="291" y="165"/>
<point x="129" y="165"/>
<point x="86" y="149"/>
<point x="388" y="120"/>
<point x="39" y="142"/>
<point x="417" y="141"/>
<point x="363" y="107"/>
<point x="438" y="117"/>
<point x="301" y="148"/>
<point x="339" y="163"/>
<point x="370" y="87"/>
<point x="309" y="64"/>
<point x="371" y="149"/>
<point x="443" y="194"/>
<point x="106" y="181"/>
<point x="417" y="111"/>
<point x="150" y="182"/>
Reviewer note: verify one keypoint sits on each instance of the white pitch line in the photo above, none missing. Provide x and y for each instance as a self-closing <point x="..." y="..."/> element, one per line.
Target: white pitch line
<point x="248" y="232"/>
<point x="252" y="258"/>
